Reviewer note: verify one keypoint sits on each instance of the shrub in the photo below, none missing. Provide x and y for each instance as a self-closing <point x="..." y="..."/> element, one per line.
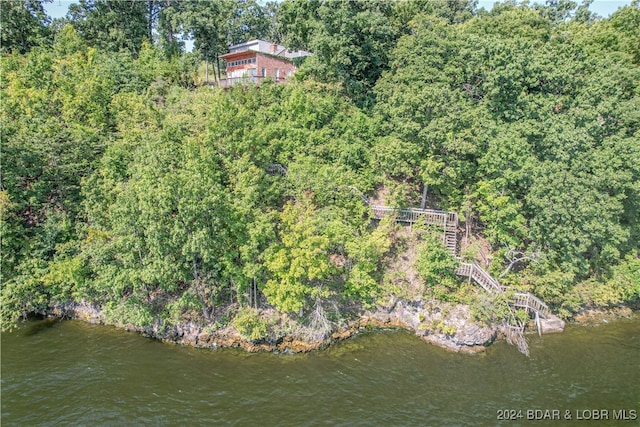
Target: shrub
<point x="436" y="267"/>
<point x="250" y="324"/>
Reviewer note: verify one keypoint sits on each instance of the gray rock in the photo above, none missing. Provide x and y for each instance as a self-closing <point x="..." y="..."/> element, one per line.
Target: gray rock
<point x="551" y="325"/>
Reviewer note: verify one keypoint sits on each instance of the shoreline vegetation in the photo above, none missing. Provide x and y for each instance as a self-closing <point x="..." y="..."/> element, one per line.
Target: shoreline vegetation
<point x="135" y="194"/>
<point x="469" y="337"/>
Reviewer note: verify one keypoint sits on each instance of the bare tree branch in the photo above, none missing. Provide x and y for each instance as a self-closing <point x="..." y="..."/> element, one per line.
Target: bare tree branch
<point x="514" y="256"/>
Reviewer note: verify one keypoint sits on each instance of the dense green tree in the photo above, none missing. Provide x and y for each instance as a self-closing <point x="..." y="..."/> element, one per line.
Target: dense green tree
<point x="350" y="40"/>
<point x="454" y="12"/>
<point x="56" y="109"/>
<point x="556" y="11"/>
<point x="527" y="124"/>
<point x="300" y="265"/>
<point x="625" y="21"/>
<point x="428" y="101"/>
<point x="436" y="267"/>
<point x="112" y="25"/>
<point x="24" y="24"/>
<point x="274" y="27"/>
<point x="58" y="116"/>
<point x="125" y="186"/>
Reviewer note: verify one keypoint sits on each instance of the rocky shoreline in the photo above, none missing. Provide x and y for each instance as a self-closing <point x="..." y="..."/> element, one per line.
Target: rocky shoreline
<point x="448" y="327"/>
<point x="597" y="315"/>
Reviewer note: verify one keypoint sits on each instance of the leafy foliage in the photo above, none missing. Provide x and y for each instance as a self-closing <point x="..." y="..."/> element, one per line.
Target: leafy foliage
<point x="350" y="40"/>
<point x="523" y="126"/>
<point x="126" y="186"/>
<point x="24" y="25"/>
<point x="436" y="267"/>
<point x="111" y="24"/>
<point x="250" y="325"/>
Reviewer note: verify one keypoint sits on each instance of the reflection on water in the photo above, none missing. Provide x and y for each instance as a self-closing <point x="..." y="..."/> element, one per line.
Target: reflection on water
<point x="62" y="373"/>
<point x="35" y="328"/>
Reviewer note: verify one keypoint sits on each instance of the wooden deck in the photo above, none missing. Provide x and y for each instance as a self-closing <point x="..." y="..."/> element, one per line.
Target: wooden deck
<point x="448" y="221"/>
<point x="228" y="82"/>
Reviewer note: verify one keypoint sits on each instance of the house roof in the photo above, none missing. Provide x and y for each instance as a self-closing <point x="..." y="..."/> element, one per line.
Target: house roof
<point x="265" y="47"/>
<point x="231" y="56"/>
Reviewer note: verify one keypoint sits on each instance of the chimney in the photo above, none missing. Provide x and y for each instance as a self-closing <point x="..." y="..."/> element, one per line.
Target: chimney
<point x="273" y="49"/>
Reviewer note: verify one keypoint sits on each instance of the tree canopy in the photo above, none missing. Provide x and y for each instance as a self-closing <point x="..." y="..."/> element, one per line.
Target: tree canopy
<point x="129" y="185"/>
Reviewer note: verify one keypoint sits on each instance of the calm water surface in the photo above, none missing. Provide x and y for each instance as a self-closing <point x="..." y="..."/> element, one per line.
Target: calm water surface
<point x="61" y="373"/>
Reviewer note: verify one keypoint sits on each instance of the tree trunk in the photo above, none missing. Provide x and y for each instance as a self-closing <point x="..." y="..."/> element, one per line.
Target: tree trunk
<point x="467" y="227"/>
<point x="423" y="203"/>
<point x="255" y="293"/>
<point x="150" y="24"/>
<point x="169" y="27"/>
<point x="195" y="269"/>
<point x="467" y="218"/>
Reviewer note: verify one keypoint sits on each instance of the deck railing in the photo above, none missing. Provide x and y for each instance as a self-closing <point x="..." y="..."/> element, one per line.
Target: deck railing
<point x="245" y="81"/>
<point x="531" y="303"/>
<point x="480" y="276"/>
<point x="431" y="216"/>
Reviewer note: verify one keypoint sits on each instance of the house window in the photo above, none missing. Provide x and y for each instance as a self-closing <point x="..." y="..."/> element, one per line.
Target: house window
<point x="264" y="72"/>
<point x="276" y="73"/>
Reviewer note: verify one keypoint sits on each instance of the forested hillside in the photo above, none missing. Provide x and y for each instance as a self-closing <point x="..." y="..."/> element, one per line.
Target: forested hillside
<point x="130" y="185"/>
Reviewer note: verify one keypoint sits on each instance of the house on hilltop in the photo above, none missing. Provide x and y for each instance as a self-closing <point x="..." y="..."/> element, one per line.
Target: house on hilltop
<point x="252" y="61"/>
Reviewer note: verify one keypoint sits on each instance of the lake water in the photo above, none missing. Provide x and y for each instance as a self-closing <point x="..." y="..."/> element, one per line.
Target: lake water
<point x="60" y="373"/>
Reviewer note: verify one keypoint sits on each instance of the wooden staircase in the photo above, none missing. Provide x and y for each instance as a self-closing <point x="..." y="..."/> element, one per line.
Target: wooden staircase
<point x="447" y="221"/>
<point x="513" y="327"/>
<point x="531" y="303"/>
<point x="476" y="273"/>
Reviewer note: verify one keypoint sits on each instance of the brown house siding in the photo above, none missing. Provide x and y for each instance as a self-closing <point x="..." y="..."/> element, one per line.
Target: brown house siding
<point x="271" y="64"/>
<point x="240" y="57"/>
<point x="251" y="66"/>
